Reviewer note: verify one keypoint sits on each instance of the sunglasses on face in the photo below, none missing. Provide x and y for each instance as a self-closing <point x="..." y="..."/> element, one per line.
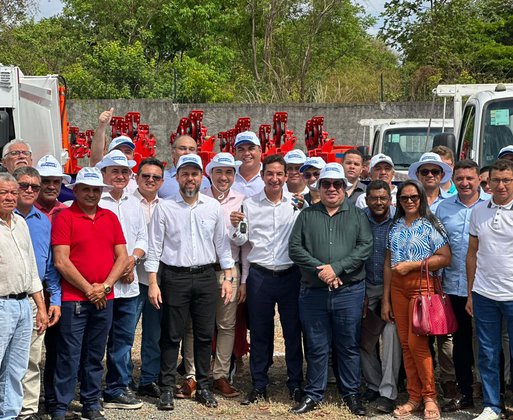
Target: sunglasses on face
<point x="426" y="172"/>
<point x="24" y="186"/>
<point x="147" y="177"/>
<point x="327" y="184"/>
<point x="308" y="175"/>
<point x="406" y="198"/>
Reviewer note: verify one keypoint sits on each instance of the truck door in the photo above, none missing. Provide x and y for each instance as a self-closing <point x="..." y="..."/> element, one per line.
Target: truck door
<point x="467" y="141"/>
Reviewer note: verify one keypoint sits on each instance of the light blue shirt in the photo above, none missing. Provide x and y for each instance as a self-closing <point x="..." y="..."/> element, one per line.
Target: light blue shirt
<point x="441" y="197"/>
<point x="456" y="218"/>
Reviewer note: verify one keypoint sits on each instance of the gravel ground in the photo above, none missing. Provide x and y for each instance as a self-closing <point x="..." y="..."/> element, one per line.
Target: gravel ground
<point x="277" y="406"/>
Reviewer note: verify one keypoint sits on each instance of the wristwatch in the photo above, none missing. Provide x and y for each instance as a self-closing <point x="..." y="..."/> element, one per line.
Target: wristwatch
<point x="107" y="288"/>
<point x="136" y="259"/>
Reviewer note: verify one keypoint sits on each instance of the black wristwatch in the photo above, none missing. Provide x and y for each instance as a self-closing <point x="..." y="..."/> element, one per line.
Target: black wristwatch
<point x="107" y="288"/>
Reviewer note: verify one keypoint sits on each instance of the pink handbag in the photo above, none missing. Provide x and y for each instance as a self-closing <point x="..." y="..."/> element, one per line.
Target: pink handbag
<point x="432" y="313"/>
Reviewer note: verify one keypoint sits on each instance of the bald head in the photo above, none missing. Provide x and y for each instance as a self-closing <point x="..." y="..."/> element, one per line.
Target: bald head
<point x="183" y="145"/>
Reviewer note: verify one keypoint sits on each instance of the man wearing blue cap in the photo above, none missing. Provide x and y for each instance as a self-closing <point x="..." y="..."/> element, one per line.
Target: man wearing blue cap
<point x="187" y="236"/>
<point x="330" y="242"/>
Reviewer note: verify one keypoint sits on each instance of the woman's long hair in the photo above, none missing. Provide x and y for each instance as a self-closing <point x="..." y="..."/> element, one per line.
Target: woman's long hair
<point x="424" y="210"/>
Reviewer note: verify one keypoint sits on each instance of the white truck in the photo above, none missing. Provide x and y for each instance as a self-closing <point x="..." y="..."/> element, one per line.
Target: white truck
<point x="403" y="139"/>
<point x="31" y="109"/>
<point x="484" y="125"/>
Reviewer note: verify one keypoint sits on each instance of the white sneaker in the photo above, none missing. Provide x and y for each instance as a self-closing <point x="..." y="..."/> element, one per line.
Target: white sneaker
<point x="488" y="414"/>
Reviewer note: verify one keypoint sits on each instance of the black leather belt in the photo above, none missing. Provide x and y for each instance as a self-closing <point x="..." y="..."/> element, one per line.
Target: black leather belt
<point x="217" y="267"/>
<point x="192" y="270"/>
<point x="18" y="296"/>
<point x="274" y="273"/>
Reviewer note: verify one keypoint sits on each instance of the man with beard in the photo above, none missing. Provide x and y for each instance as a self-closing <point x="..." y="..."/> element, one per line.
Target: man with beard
<point x="187" y="236"/>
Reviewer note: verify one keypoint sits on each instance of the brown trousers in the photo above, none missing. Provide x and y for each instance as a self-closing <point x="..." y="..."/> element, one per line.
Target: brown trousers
<point x="418" y="363"/>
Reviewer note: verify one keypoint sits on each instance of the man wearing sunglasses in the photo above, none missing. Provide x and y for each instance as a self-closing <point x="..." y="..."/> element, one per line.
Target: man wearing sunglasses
<point x="311" y="170"/>
<point x="15" y="154"/>
<point x="330" y="242"/>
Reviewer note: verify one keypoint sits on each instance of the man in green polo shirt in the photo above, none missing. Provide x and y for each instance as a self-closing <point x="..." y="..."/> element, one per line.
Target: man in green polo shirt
<point x="330" y="242"/>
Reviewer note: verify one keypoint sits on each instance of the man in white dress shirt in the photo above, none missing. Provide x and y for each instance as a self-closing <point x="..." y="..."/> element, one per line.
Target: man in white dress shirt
<point x="273" y="279"/>
<point x="187" y="236"/>
<point x="248" y="180"/>
<point x="116" y="171"/>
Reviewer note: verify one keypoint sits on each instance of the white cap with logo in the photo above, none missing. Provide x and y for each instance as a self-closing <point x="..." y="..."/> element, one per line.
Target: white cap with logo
<point x="50" y="166"/>
<point x="247" y="137"/>
<point x="222" y="160"/>
<point x="115" y="158"/>
<point x="189" y="159"/>
<point x="333" y="170"/>
<point x="92" y="177"/>
<point x="118" y="141"/>
<point x="433" y="159"/>
<point x="379" y="158"/>
<point x="316" y="162"/>
<point x="295" y="157"/>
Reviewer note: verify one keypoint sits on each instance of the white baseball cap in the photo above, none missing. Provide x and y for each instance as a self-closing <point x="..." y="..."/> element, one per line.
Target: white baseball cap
<point x="115" y="158"/>
<point x="222" y="160"/>
<point x="189" y="159"/>
<point x="118" y="141"/>
<point x="433" y="159"/>
<point x="504" y="151"/>
<point x="316" y="162"/>
<point x="333" y="170"/>
<point x="295" y="157"/>
<point x="380" y="157"/>
<point x="50" y="166"/>
<point x="92" y="177"/>
<point x="247" y="137"/>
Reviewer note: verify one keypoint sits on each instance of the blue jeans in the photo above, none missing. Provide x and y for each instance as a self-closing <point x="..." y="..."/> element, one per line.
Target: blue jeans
<point x="263" y="293"/>
<point x="83" y="330"/>
<point x="332" y="319"/>
<point x="15" y="334"/>
<point x="150" y="350"/>
<point x="487" y="315"/>
<point x="119" y="346"/>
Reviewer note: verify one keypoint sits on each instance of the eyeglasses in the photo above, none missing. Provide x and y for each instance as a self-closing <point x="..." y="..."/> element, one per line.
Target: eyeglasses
<point x="406" y="198"/>
<point x="25" y="153"/>
<point x="147" y="177"/>
<point x="308" y="175"/>
<point x="377" y="199"/>
<point x="336" y="184"/>
<point x="12" y="192"/>
<point x="497" y="181"/>
<point x="426" y="172"/>
<point x="24" y="186"/>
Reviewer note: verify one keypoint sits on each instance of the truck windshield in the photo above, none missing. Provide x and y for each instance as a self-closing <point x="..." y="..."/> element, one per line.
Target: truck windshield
<point x="406" y="145"/>
<point x="498" y="129"/>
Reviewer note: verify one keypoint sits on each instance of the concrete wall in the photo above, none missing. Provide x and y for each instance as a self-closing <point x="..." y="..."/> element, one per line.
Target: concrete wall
<point x="340" y="120"/>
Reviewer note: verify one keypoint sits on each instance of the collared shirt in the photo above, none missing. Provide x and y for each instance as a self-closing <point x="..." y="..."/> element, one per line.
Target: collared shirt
<point x="92" y="245"/>
<point x="18" y="268"/>
<point x="248" y="188"/>
<point x="54" y="211"/>
<point x="186" y="236"/>
<point x="361" y="203"/>
<point x="375" y="263"/>
<point x="40" y="230"/>
<point x="170" y="186"/>
<point x="455" y="216"/>
<point x="131" y="217"/>
<point x="492" y="224"/>
<point x="269" y="228"/>
<point x="343" y="240"/>
<point x="416" y="242"/>
<point x="441" y="197"/>
<point x="358" y="190"/>
<point x="148" y="208"/>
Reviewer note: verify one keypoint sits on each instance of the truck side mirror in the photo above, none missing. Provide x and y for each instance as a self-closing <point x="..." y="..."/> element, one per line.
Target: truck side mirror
<point x="445" y="139"/>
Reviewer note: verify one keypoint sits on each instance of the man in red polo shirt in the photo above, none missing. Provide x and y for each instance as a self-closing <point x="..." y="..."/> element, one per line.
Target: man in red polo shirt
<point x="90" y="253"/>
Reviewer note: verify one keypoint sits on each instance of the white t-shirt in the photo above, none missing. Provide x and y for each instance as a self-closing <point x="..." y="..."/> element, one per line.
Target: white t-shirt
<point x="493" y="226"/>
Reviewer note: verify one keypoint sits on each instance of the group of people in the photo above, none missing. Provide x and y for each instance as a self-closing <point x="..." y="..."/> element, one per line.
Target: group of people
<point x="182" y="249"/>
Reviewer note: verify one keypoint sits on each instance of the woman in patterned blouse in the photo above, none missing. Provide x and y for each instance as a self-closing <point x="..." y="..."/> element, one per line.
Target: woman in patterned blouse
<point x="415" y="235"/>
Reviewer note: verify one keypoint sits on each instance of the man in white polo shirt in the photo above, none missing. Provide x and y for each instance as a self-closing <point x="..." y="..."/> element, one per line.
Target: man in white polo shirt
<point x="490" y="282"/>
<point x="248" y="180"/>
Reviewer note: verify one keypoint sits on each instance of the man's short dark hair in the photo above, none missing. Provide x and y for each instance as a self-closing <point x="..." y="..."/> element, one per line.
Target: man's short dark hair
<point x="378" y="185"/>
<point x="274" y="159"/>
<point x="151" y="161"/>
<point x="354" y="152"/>
<point x="28" y="171"/>
<point x="501" y="165"/>
<point x="466" y="164"/>
<point x="443" y="152"/>
<point x="484" y="169"/>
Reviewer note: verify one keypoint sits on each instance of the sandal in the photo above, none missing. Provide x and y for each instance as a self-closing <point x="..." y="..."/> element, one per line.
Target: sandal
<point x="431" y="409"/>
<point x="405" y="410"/>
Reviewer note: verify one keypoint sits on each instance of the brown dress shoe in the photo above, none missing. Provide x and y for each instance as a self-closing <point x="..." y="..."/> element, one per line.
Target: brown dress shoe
<point x="187" y="390"/>
<point x="223" y="387"/>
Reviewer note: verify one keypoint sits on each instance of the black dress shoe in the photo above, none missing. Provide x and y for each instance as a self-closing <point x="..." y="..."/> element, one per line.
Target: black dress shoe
<point x="460" y="402"/>
<point x="354" y="403"/>
<point x="254" y="396"/>
<point x="296" y="394"/>
<point x="306" y="405"/>
<point x="166" y="401"/>
<point x="205" y="397"/>
<point x="149" y="390"/>
<point x="385" y="405"/>
<point x="370" y="395"/>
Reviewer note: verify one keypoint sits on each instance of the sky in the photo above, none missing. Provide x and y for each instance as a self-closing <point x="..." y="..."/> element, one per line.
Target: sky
<point x="49" y="8"/>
